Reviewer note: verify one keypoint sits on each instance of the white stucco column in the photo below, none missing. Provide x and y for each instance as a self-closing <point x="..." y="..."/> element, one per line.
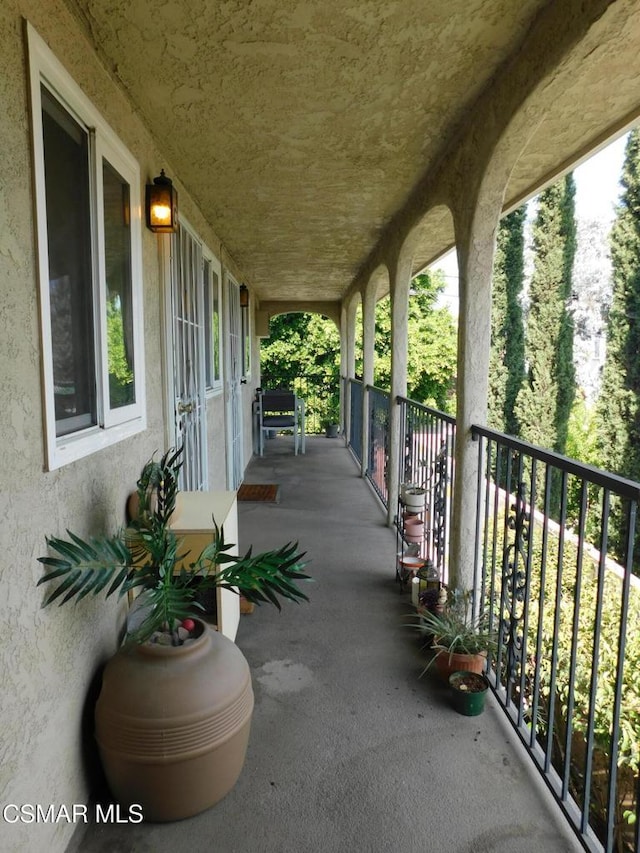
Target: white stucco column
<point x="400" y="281"/>
<point x="475" y="262"/>
<point x="368" y="341"/>
<point x="347" y="359"/>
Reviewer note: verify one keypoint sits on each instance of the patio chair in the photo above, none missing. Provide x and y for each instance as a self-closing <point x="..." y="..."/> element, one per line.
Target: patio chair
<point x="281" y="410"/>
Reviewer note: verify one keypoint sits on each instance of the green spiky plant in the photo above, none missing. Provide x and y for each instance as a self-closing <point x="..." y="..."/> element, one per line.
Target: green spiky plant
<point x="144" y="555"/>
<point x="454" y="631"/>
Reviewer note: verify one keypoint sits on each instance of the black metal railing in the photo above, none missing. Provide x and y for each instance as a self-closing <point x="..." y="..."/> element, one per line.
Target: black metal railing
<point x="321" y="397"/>
<point x="426" y="462"/>
<point x="356" y="391"/>
<point x="379" y="409"/>
<point x="555" y="577"/>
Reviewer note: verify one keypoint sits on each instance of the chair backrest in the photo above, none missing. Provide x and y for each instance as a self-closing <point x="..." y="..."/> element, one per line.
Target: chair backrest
<point x="278" y="401"/>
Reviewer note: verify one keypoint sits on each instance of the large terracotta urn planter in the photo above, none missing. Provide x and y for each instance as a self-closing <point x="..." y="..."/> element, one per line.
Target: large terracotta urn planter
<point x="172" y="724"/>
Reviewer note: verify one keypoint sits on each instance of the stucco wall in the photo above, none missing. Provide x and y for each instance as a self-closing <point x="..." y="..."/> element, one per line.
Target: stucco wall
<point x="49" y="657"/>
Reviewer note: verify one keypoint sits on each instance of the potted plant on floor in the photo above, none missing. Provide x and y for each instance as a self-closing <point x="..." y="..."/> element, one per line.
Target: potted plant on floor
<point x="459" y="641"/>
<point x="330" y="422"/>
<point x="176" y="699"/>
<point x="468" y="692"/>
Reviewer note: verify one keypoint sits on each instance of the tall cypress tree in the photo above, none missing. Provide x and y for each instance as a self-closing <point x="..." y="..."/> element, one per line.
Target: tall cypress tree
<point x="618" y="409"/>
<point x="545" y="399"/>
<point x="506" y="365"/>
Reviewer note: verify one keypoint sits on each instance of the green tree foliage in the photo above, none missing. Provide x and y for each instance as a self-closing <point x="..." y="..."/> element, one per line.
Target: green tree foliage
<point x="432" y="356"/>
<point x="303" y="353"/>
<point x="121" y="388"/>
<point x="618" y="408"/>
<point x="549" y="629"/>
<point x="544" y="403"/>
<point x="307" y="347"/>
<point x="300" y="345"/>
<point x="506" y="366"/>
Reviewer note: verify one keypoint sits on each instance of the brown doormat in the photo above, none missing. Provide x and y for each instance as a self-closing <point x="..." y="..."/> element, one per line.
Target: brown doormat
<point x="268" y="492"/>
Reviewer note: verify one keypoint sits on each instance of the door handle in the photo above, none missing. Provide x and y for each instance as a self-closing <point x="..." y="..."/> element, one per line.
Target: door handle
<point x="185" y="408"/>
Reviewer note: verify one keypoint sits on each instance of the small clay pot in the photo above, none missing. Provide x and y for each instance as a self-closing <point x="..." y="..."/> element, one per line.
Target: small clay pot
<point x="414" y="530"/>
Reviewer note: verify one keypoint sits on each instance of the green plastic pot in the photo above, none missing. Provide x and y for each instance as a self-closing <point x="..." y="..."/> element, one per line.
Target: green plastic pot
<point x="468" y="692"/>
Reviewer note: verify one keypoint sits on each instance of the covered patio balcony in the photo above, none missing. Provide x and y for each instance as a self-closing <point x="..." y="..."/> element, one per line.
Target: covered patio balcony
<point x="350" y="749"/>
<point x="323" y="154"/>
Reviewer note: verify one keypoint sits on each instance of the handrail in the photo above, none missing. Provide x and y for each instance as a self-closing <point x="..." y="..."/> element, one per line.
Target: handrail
<point x="623" y="486"/>
<point x="377" y="452"/>
<point x="354" y="396"/>
<point x="565" y="616"/>
<point x="442" y="416"/>
<point x="377" y="390"/>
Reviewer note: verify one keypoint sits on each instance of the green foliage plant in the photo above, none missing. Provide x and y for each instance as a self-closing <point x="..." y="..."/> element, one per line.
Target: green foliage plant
<point x="506" y="365"/>
<point x="121" y="388"/>
<point x="432" y="339"/>
<point x="618" y="407"/>
<point x="552" y="615"/>
<point x="545" y="399"/>
<point x="303" y="354"/>
<point x="331" y="414"/>
<point x="455" y="631"/>
<point x="148" y="557"/>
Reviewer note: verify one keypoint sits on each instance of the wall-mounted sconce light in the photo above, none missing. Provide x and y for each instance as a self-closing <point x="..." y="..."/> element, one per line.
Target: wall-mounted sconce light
<point x="244" y="296"/>
<point x="162" y="205"/>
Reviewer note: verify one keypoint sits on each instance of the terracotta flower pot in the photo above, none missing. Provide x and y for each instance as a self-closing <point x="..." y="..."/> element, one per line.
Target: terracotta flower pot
<point x="411" y="564"/>
<point x="446" y="664"/>
<point x="410" y="537"/>
<point x="172" y="724"/>
<point x="414" y="529"/>
<point x="407" y="514"/>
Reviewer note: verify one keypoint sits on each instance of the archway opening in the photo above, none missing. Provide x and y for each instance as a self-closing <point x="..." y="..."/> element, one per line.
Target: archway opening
<point x="302" y="354"/>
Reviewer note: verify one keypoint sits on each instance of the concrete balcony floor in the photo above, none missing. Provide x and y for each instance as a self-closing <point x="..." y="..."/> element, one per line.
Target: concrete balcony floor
<point x="349" y="750"/>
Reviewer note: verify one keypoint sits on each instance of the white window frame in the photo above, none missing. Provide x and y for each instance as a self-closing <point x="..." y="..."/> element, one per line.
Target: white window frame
<point x="114" y="424"/>
<point x="215" y="267"/>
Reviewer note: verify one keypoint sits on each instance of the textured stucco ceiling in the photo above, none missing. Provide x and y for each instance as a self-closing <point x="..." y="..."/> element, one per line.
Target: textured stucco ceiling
<point x="301" y="127"/>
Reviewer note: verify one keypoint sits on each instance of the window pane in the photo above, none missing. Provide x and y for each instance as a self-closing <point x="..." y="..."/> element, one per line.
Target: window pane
<point x="215" y="327"/>
<point x="208" y="340"/>
<point x="117" y="247"/>
<point x="246" y="343"/>
<point x="211" y="325"/>
<point x="66" y="162"/>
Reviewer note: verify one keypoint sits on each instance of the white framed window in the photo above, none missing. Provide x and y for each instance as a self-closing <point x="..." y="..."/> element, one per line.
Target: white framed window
<point x="212" y="290"/>
<point x="88" y="209"/>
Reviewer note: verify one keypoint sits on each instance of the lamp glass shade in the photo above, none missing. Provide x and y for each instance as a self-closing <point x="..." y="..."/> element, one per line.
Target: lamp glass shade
<point x="162" y="205"/>
<point x="244" y="296"/>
